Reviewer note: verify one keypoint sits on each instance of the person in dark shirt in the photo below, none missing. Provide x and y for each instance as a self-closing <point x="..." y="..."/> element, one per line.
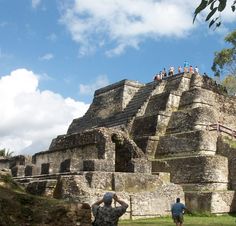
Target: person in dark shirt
<point x="107" y="215"/>
<point x="177" y="211"/>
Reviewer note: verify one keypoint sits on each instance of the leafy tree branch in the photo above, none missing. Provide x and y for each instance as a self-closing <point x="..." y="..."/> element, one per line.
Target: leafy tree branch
<point x="215" y="7"/>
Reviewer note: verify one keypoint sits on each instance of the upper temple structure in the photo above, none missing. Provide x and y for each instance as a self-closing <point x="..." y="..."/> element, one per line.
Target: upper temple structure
<point x="148" y="142"/>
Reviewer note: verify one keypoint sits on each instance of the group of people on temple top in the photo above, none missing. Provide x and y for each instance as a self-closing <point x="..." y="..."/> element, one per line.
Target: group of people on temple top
<point x="186" y="69"/>
<point x="106" y="215"/>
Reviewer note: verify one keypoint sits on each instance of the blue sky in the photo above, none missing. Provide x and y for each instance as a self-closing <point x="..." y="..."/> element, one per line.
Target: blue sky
<point x="54" y="54"/>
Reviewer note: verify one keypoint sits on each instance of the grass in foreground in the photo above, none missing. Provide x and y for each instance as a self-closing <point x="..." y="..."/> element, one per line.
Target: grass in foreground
<point x="225" y="220"/>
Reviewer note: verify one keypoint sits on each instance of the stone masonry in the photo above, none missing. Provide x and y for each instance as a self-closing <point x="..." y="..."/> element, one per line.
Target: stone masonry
<point x="150" y="143"/>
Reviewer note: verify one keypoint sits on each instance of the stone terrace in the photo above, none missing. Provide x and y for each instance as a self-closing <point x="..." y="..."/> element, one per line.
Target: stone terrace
<point x="149" y="143"/>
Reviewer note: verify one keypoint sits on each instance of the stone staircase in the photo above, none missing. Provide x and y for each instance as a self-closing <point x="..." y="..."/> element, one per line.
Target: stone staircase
<point x="149" y="126"/>
<point x="85" y="122"/>
<point x="132" y="108"/>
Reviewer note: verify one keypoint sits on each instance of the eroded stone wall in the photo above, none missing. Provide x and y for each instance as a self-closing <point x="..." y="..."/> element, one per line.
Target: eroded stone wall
<point x="196" y="173"/>
<point x="147" y="195"/>
<point x="150" y="128"/>
<point x="107" y="102"/>
<point x="218" y="202"/>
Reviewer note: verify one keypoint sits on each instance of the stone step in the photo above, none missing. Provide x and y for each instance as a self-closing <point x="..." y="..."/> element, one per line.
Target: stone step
<point x="122" y="117"/>
<point x="132" y="108"/>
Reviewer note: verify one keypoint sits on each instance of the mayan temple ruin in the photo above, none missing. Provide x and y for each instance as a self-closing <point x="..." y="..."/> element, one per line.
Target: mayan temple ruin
<point x="150" y="143"/>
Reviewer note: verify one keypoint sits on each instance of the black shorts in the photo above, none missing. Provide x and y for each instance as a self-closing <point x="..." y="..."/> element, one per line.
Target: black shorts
<point x="178" y="218"/>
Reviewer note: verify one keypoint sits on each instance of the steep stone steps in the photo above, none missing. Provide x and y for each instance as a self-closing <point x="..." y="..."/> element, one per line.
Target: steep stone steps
<point x="132" y="108"/>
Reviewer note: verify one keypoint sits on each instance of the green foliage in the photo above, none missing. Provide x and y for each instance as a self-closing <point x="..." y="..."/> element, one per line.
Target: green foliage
<point x="214" y="7"/>
<point x="7" y="178"/>
<point x="225" y="60"/>
<point x="231" y="142"/>
<point x="6" y="153"/>
<point x="18" y="209"/>
<point x="230" y="83"/>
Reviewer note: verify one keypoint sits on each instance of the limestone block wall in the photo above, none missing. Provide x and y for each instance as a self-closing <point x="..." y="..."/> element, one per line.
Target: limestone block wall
<point x="207" y="83"/>
<point x="157" y="203"/>
<point x="227" y="110"/>
<point x="100" y="149"/>
<point x="226" y="147"/>
<point x="213" y="202"/>
<point x="4" y="163"/>
<point x="85" y="184"/>
<point x="187" y="143"/>
<point x="198" y="97"/>
<point x="147" y="128"/>
<point x="77" y="152"/>
<point x="107" y="101"/>
<point x="204" y="92"/>
<point x="128" y="182"/>
<point x="180" y="82"/>
<point x="45" y="162"/>
<point x="191" y="119"/>
<point x="151" y="192"/>
<point x="197" y="173"/>
<point x="113" y="98"/>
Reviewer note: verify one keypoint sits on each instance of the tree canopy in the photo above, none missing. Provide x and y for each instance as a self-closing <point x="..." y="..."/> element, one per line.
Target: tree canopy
<point x="230" y="83"/>
<point x="215" y="7"/>
<point x="225" y="60"/>
<point x="6" y="153"/>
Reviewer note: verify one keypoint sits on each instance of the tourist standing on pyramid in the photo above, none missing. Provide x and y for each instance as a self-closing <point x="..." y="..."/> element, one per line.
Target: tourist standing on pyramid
<point x="196" y="71"/>
<point x="179" y="69"/>
<point x="191" y="69"/>
<point x="186" y="65"/>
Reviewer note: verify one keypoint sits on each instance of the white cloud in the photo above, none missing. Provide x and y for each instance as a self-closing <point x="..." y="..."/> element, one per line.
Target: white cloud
<point x="123" y="23"/>
<point x="35" y="3"/>
<point x="100" y="81"/>
<point x="126" y="23"/>
<point x="47" y="56"/>
<point x="30" y="117"/>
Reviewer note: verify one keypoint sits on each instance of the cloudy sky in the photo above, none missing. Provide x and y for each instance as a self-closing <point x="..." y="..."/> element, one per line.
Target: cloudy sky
<point x="55" y="53"/>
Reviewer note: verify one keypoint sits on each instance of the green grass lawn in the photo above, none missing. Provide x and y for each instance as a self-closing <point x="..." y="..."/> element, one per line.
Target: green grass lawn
<point x="225" y="220"/>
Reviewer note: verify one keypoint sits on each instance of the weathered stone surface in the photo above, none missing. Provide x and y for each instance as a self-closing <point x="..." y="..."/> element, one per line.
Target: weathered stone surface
<point x="214" y="202"/>
<point x="197" y="97"/>
<point x="187" y="143"/>
<point x="191" y="119"/>
<point x="156" y="197"/>
<point x="4" y="163"/>
<point x="226" y="147"/>
<point x="134" y="139"/>
<point x="42" y="187"/>
<point x="30" y="170"/>
<point x="18" y="171"/>
<point x="5" y="175"/>
<point x="175" y="83"/>
<point x="157" y="203"/>
<point x="200" y="169"/>
<point x="207" y="83"/>
<point x="148" y="144"/>
<point x="19" y="160"/>
<point x="136" y="182"/>
<point x="107" y="101"/>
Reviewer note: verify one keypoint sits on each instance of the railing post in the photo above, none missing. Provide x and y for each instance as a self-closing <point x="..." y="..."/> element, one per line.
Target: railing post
<point x="131" y="207"/>
<point x="218" y="127"/>
<point x="208" y="127"/>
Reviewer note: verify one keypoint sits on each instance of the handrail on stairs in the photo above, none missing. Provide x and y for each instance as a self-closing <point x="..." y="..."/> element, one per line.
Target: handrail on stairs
<point x="221" y="128"/>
